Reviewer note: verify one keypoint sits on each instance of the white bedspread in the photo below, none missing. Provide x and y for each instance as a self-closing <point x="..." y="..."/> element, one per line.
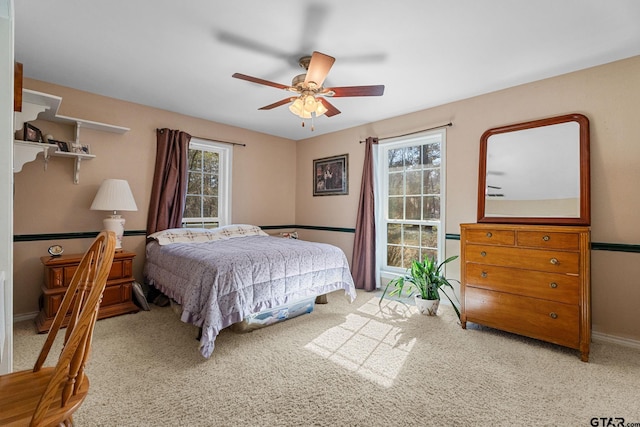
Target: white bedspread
<point x="218" y="283"/>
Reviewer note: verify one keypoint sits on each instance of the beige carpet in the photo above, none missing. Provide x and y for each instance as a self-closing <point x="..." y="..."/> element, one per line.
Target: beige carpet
<point x="344" y="365"/>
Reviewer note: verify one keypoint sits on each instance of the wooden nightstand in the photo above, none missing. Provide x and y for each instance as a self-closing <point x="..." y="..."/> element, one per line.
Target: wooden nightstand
<point x="58" y="271"/>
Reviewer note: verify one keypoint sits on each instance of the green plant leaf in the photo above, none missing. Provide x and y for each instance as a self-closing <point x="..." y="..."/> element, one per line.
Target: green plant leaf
<point x="426" y="278"/>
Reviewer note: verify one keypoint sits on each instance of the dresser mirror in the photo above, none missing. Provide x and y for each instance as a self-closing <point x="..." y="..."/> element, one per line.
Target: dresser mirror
<point x="536" y="173"/>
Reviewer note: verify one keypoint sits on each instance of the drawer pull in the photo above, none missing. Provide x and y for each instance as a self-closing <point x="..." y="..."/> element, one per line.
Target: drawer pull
<point x="546" y="238"/>
<point x="483" y="253"/>
<point x="554" y="261"/>
<point x="553" y="315"/>
<point x="484" y="274"/>
<point x="489" y="234"/>
<point x="553" y="285"/>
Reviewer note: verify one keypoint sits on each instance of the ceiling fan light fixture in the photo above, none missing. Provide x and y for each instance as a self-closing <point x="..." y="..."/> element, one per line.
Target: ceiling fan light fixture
<point x="297" y="107"/>
<point x="321" y="109"/>
<point x="306" y="106"/>
<point x="310" y="103"/>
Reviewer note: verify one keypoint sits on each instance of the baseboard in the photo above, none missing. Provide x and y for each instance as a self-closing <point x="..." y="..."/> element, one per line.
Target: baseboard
<point x="24" y="316"/>
<point x="612" y="339"/>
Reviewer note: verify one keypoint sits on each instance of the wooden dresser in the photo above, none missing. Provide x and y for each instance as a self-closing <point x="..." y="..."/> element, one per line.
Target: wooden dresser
<point x="58" y="271"/>
<point x="528" y="279"/>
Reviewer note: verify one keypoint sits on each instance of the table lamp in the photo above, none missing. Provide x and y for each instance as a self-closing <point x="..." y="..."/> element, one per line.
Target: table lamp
<point x="114" y="195"/>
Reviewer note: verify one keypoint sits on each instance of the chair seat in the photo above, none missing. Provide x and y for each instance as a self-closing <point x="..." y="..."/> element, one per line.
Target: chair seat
<point x="21" y="391"/>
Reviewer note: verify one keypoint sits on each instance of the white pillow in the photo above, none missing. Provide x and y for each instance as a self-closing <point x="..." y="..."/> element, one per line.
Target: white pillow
<point x="240" y="230"/>
<point x="199" y="235"/>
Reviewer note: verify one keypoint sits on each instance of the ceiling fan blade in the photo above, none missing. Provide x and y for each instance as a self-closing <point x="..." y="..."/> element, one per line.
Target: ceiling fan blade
<point x="319" y="68"/>
<point x="315" y="18"/>
<point x="376" y="90"/>
<point x="260" y="81"/>
<point x="331" y="110"/>
<point x="277" y="104"/>
<point x="256" y="46"/>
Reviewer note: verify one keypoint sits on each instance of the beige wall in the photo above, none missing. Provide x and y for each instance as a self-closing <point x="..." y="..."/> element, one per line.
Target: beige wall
<point x="608" y="95"/>
<point x="49" y="202"/>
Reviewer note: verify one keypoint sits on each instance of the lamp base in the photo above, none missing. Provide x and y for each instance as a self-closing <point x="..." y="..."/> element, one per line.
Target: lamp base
<point x="115" y="223"/>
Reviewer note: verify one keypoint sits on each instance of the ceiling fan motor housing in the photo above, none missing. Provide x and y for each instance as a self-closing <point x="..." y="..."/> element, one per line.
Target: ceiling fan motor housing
<point x="298" y="81"/>
<point x="304" y="62"/>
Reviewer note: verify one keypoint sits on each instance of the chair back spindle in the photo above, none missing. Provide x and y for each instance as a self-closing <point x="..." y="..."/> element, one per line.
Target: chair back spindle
<point x="82" y="299"/>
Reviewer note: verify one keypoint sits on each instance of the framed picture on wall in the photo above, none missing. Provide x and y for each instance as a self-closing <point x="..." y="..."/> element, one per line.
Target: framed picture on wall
<point x="330" y="176"/>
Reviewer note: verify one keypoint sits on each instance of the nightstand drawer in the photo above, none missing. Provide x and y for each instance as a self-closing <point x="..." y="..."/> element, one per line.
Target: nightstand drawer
<point x="59" y="277"/>
<point x="121" y="269"/>
<point x="116" y="294"/>
<point x="550" y="286"/>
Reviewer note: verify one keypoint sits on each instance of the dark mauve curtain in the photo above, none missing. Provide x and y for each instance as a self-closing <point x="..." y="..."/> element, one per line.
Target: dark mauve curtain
<point x="363" y="263"/>
<point x="169" y="181"/>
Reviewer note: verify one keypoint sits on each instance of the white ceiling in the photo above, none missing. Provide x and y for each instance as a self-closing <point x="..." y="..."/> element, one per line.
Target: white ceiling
<point x="180" y="55"/>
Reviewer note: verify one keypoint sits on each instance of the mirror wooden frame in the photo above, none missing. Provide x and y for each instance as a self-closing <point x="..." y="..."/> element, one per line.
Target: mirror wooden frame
<point x="584" y="216"/>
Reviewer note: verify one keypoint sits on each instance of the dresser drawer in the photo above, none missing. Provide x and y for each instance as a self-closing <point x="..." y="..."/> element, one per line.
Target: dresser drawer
<point x="546" y="320"/>
<point x="549" y="240"/>
<point x="530" y="259"/>
<point x="491" y="236"/>
<point x="550" y="286"/>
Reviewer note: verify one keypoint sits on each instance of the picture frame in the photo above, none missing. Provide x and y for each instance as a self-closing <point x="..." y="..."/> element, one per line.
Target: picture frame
<point x="32" y="133"/>
<point x="81" y="148"/>
<point x="331" y="176"/>
<point x="62" y="146"/>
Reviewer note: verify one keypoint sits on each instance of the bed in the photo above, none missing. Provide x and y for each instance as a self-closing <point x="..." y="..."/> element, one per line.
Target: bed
<point x="221" y="276"/>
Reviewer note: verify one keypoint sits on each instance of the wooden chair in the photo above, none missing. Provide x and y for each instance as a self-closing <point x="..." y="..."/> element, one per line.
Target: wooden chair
<point x="48" y="396"/>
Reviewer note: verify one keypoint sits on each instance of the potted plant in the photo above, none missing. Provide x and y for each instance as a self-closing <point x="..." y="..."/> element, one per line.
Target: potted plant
<point x="425" y="279"/>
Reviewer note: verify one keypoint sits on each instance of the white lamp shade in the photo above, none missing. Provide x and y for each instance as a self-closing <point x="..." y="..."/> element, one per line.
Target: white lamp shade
<point x="114" y="195"/>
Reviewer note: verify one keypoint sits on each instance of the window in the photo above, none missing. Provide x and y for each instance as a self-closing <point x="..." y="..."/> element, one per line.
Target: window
<point x="410" y="195"/>
<point x="208" y="201"/>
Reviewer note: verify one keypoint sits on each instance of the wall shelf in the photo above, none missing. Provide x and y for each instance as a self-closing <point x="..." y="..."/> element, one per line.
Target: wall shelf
<point x="25" y="152"/>
<point x="38" y="105"/>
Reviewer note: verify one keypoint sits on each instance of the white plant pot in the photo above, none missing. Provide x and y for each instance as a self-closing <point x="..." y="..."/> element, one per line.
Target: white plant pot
<point x="427" y="306"/>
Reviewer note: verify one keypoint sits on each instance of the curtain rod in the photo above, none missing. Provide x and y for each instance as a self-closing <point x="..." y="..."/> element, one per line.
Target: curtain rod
<point x="412" y="133"/>
<point x="214" y="140"/>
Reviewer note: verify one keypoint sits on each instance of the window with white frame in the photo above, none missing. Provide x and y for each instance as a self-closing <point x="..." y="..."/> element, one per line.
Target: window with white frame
<point x="208" y="201"/>
<point x="410" y="200"/>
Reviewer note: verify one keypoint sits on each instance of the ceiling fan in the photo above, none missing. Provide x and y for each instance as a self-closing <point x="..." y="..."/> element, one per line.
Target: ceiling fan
<point x="310" y="101"/>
